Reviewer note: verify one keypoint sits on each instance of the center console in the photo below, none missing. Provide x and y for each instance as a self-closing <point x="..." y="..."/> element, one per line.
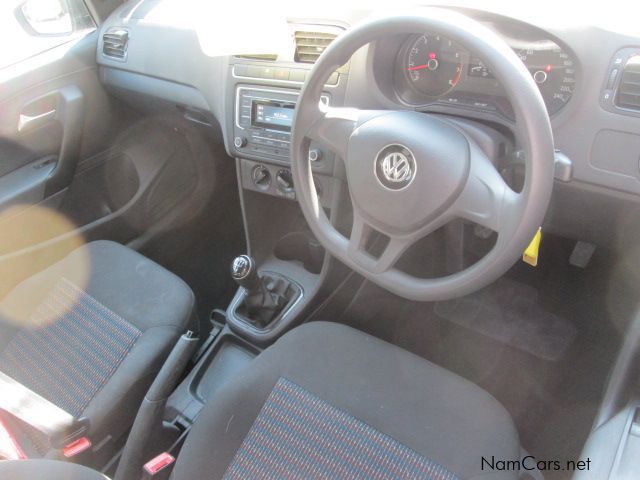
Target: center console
<point x="282" y="273"/>
<point x="263" y="120"/>
<point x="262" y="130"/>
<point x="291" y="265"/>
<point x="261" y="133"/>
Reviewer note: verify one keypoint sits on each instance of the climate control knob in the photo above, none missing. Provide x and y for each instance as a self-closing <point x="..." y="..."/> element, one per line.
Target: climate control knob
<point x="284" y="181"/>
<point x="261" y="177"/>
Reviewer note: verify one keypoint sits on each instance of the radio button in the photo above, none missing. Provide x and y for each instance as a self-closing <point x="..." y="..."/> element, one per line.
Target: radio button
<point x="257" y="149"/>
<point x="254" y="72"/>
<point x="267" y="72"/>
<point x="298" y="75"/>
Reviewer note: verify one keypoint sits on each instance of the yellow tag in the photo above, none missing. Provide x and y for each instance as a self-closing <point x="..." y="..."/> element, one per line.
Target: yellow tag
<point x="530" y="255"/>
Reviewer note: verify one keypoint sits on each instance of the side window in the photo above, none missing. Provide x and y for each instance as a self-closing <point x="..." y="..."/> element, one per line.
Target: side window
<point x="29" y="27"/>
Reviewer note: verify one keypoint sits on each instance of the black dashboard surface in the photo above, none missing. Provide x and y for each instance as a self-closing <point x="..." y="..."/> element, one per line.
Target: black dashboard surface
<point x="174" y="57"/>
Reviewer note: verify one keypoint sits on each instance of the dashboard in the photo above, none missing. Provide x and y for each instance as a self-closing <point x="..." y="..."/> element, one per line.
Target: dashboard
<point x="204" y="64"/>
<point x="430" y="69"/>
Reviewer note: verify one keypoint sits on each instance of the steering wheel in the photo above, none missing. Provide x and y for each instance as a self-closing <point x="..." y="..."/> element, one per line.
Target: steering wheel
<point x="410" y="173"/>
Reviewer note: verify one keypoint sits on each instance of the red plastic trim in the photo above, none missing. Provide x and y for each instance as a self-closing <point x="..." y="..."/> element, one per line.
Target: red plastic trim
<point x="76" y="447"/>
<point x="158" y="463"/>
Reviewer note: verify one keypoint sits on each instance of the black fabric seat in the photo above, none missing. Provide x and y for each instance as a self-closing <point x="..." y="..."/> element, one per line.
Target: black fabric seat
<point x="42" y="469"/>
<point x="90" y="332"/>
<point x="327" y="401"/>
<point x="358" y="381"/>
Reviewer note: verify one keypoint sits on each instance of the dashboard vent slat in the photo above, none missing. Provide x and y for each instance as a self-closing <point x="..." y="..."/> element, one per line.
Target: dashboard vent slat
<point x="629" y="90"/>
<point x="267" y="57"/>
<point x="310" y="45"/>
<point x="115" y="43"/>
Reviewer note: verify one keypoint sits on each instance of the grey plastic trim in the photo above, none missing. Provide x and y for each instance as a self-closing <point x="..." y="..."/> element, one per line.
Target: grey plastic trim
<point x="286" y="83"/>
<point x="621" y="378"/>
<point x="70" y="113"/>
<point x="563" y="168"/>
<point x="25" y="186"/>
<point x="605" y="448"/>
<point x="146" y="85"/>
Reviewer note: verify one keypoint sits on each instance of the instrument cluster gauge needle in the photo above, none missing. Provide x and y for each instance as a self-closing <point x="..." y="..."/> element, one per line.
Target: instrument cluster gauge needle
<point x="433" y="64"/>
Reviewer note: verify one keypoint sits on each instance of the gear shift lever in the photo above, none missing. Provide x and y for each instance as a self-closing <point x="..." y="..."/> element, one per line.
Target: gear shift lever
<point x="260" y="304"/>
<point x="245" y="273"/>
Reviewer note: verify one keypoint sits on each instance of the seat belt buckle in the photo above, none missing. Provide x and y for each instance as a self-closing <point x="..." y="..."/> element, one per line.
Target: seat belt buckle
<point x="71" y="434"/>
<point x="159" y="463"/>
<point x="77" y="446"/>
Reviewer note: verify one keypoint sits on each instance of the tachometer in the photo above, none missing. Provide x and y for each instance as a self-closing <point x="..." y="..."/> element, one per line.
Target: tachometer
<point x="433" y="64"/>
<point x="554" y="72"/>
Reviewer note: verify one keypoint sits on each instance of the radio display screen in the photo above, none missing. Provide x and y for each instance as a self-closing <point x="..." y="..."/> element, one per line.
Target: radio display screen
<point x="274" y="115"/>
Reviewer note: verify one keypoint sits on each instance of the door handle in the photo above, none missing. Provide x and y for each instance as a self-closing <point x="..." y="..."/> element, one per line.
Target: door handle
<point x="70" y="112"/>
<point x="65" y="106"/>
<point x="26" y="121"/>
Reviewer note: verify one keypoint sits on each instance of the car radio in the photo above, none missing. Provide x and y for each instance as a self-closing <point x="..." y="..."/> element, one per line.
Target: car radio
<point x="272" y="115"/>
<point x="263" y="121"/>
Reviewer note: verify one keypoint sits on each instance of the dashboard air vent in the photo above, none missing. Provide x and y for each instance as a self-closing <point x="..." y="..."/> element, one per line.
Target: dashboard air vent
<point x="629" y="89"/>
<point x="268" y="57"/>
<point x="114" y="43"/>
<point x="310" y="45"/>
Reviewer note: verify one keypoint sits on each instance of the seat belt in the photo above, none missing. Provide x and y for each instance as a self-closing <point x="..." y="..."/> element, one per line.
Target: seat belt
<point x="61" y="427"/>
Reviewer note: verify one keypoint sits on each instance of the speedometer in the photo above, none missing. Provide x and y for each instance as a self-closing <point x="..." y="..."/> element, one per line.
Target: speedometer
<point x="433" y="64"/>
<point x="553" y="70"/>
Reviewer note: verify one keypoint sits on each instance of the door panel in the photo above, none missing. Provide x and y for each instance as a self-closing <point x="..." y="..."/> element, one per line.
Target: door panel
<point x="77" y="164"/>
<point x="34" y="170"/>
<point x="53" y="113"/>
<point x="65" y="106"/>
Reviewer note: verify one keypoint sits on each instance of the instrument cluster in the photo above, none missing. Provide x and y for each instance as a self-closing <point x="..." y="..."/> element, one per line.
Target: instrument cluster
<point x="433" y="69"/>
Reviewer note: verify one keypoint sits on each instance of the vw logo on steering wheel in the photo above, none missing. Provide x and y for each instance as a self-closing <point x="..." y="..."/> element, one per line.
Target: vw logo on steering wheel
<point x="395" y="167"/>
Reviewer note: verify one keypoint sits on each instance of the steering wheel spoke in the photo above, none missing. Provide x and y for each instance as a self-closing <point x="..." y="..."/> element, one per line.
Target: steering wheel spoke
<point x="361" y="234"/>
<point x="486" y="199"/>
<point x="333" y="127"/>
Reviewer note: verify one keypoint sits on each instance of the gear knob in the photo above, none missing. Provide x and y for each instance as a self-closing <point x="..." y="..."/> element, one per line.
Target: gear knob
<point x="245" y="273"/>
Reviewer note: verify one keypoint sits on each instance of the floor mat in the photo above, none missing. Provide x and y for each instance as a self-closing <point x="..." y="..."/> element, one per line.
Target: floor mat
<point x="200" y="252"/>
<point x="508" y="311"/>
<point x="553" y="403"/>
